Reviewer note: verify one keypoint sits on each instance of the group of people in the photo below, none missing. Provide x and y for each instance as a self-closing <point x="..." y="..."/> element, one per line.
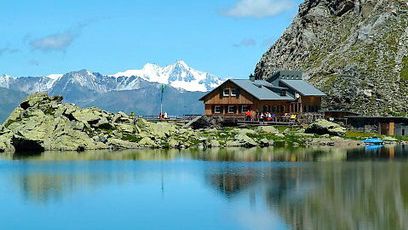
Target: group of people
<point x="163" y="116"/>
<point x="256" y="116"/>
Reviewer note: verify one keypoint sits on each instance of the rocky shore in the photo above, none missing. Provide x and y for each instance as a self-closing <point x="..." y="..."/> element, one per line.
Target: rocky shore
<point x="44" y="123"/>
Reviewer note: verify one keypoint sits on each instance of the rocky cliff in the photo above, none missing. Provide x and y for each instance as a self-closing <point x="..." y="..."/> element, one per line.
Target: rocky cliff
<point x="354" y="50"/>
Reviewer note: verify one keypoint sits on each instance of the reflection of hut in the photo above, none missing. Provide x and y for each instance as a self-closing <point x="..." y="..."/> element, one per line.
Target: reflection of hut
<point x="393" y="126"/>
<point x="230" y="183"/>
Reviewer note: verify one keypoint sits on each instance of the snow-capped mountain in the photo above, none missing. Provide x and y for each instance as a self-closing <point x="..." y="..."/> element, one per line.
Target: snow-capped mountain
<point x="178" y="75"/>
<point x="130" y="91"/>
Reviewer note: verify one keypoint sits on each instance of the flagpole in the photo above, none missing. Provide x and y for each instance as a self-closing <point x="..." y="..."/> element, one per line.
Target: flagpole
<point x="161" y="99"/>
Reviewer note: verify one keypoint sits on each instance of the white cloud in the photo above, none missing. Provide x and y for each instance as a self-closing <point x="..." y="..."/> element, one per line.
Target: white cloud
<point x="54" y="42"/>
<point x="58" y="41"/>
<point x="259" y="8"/>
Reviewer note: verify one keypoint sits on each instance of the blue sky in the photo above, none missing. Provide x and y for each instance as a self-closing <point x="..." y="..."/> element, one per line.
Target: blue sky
<point x="224" y="37"/>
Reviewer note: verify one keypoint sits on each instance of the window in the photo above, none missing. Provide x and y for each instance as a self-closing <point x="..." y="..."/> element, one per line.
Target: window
<point x="217" y="109"/>
<point x="234" y="92"/>
<point x="265" y="109"/>
<point x="244" y="108"/>
<point x="283" y="93"/>
<point x="231" y="109"/>
<point x="226" y="93"/>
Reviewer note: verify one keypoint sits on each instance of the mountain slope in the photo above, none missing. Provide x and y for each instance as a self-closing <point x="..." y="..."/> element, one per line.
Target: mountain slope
<point x="354" y="50"/>
<point x="9" y="99"/>
<point x="132" y="93"/>
<point x="146" y="101"/>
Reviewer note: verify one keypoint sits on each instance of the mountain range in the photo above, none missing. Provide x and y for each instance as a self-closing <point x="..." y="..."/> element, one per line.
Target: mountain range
<point x="136" y="91"/>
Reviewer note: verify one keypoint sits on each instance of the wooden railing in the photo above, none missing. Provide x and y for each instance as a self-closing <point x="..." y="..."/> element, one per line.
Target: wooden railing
<point x="303" y="118"/>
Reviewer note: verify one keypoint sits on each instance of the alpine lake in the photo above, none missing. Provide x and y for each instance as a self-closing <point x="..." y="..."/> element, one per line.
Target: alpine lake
<point x="258" y="188"/>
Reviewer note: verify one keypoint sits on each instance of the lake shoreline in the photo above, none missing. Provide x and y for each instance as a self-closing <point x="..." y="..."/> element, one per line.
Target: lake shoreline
<point x="43" y="123"/>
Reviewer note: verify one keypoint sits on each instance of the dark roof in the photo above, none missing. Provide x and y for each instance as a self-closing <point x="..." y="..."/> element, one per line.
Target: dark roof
<point x="265" y="90"/>
<point x="287" y="74"/>
<point x="268" y="84"/>
<point x="260" y="90"/>
<point x="304" y="88"/>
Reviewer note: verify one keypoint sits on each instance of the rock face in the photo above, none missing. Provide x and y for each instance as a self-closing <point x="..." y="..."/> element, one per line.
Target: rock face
<point x="356" y="51"/>
<point x="322" y="127"/>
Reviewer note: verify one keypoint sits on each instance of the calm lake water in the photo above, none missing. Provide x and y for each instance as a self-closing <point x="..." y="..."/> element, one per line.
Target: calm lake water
<point x="215" y="189"/>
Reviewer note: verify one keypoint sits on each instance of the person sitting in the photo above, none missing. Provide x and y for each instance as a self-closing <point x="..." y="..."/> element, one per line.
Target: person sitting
<point x="268" y="116"/>
<point x="261" y="117"/>
<point x="253" y="115"/>
<point x="273" y="117"/>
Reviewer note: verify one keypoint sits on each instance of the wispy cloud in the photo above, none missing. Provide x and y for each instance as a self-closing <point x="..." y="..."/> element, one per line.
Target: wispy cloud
<point x="8" y="50"/>
<point x="57" y="41"/>
<point x="247" y="42"/>
<point x="259" y="8"/>
<point x="54" y="42"/>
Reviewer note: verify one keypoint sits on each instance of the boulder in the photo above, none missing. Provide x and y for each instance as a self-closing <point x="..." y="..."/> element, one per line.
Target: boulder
<point x="214" y="144"/>
<point x="244" y="131"/>
<point x="245" y="140"/>
<point x="90" y="116"/>
<point x="231" y="143"/>
<point x="322" y="127"/>
<point x="207" y="122"/>
<point x="160" y="130"/>
<point x="121" y="144"/>
<point x="121" y="117"/>
<point x="147" y="142"/>
<point x="265" y="142"/>
<point x="5" y="140"/>
<point x="125" y="128"/>
<point x="268" y="129"/>
<point x="173" y="143"/>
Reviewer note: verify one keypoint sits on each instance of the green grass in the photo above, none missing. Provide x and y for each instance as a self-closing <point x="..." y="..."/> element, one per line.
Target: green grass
<point x="357" y="135"/>
<point x="131" y="138"/>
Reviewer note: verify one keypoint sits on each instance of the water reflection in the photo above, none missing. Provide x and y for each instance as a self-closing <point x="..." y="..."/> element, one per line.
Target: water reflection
<point x="317" y="188"/>
<point x="378" y="153"/>
<point x="345" y="196"/>
<point x="215" y="154"/>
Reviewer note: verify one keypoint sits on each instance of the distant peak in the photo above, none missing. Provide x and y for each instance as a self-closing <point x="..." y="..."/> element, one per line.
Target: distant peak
<point x="82" y="72"/>
<point x="55" y="76"/>
<point x="5" y="76"/>
<point x="182" y="63"/>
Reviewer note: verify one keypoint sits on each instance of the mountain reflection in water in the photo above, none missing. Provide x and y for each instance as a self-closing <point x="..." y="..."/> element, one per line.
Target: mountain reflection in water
<point x="322" y="188"/>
